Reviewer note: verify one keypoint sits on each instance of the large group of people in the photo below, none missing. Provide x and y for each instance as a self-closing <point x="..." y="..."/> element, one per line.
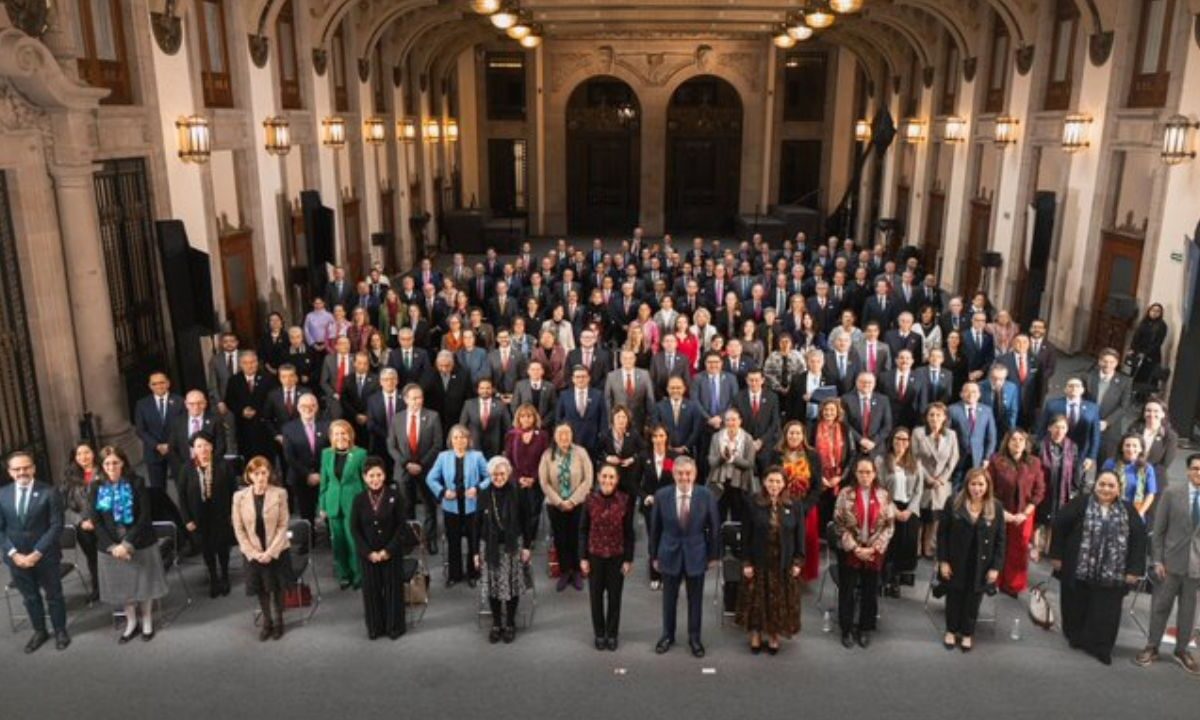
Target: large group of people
<point x="806" y="395"/>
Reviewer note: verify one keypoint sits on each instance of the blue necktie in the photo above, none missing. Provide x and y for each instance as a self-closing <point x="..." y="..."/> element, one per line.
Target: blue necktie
<point x="716" y="395"/>
<point x="1195" y="508"/>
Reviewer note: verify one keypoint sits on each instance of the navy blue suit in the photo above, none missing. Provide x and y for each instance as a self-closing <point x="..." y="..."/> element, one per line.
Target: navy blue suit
<point x="1085" y="433"/>
<point x="684" y="551"/>
<point x="1012" y="405"/>
<point x="685" y="433"/>
<point x="589" y="427"/>
<point x="979" y="355"/>
<point x="154" y="428"/>
<point x="39" y="530"/>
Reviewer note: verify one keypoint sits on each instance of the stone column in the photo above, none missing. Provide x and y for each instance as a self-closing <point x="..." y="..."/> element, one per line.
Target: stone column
<point x="87" y="285"/>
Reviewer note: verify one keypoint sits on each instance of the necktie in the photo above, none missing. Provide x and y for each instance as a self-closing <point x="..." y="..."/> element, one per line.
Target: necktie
<point x="685" y="511"/>
<point x="229" y="362"/>
<point x="250" y="384"/>
<point x="581" y="402"/>
<point x="360" y="384"/>
<point x="670" y="361"/>
<point x="504" y="360"/>
<point x="162" y="409"/>
<point x="871" y="357"/>
<point x="23" y="504"/>
<point x="341" y="375"/>
<point x="287" y="402"/>
<point x="412" y="433"/>
<point x="999" y="391"/>
<point x="970" y="420"/>
<point x="841" y="367"/>
<point x="391" y="410"/>
<point x="716" y="396"/>
<point x="311" y="432"/>
<point x="866" y="415"/>
<point x="935" y="375"/>
<point x="1195" y="509"/>
<point x="1073" y="413"/>
<point x="587" y="358"/>
<point x="903" y="384"/>
<point x="485" y="412"/>
<point x="754" y="405"/>
<point x="1021" y="368"/>
<point x="408" y="359"/>
<point x="629" y="386"/>
<point x="675" y="410"/>
<point x="978" y="339"/>
<point x="194" y="427"/>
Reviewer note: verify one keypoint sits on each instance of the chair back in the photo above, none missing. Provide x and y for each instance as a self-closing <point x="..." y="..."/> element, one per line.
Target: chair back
<point x="300" y="536"/>
<point x="167" y="537"/>
<point x="69" y="538"/>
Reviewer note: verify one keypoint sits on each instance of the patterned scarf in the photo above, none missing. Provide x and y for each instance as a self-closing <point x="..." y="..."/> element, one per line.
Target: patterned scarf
<point x="1139" y="476"/>
<point x="118" y="498"/>
<point x="1105" y="544"/>
<point x="564" y="472"/>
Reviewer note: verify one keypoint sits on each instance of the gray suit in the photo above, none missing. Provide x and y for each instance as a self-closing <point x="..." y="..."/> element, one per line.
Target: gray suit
<point x="642" y="401"/>
<point x="218" y="376"/>
<point x="883" y="356"/>
<point x="429" y="444"/>
<point x="1175" y="544"/>
<point x="1118" y="397"/>
<point x="523" y="395"/>
<point x="504" y="379"/>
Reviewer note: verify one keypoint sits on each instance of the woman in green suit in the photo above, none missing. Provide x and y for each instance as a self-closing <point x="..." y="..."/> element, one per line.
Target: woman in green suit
<point x="341" y="482"/>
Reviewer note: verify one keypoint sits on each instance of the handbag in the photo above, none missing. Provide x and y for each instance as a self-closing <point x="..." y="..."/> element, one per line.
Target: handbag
<point x="408" y="568"/>
<point x="416" y="590"/>
<point x="1041" y="612"/>
<point x="297" y="595"/>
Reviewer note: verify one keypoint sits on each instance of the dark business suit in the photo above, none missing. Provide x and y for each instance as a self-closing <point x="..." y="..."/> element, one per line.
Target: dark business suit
<point x="843" y="380"/>
<point x="599" y="369"/>
<point x="763" y="425"/>
<point x="38" y="529"/>
<point x="410" y="370"/>
<point x="911" y="342"/>
<point x="303" y="460"/>
<point x="979" y="354"/>
<point x="1084" y="432"/>
<point x="883" y="312"/>
<point x="687" y="432"/>
<point x="181" y="439"/>
<point x="878" y="426"/>
<point x="487" y="439"/>
<point x="661" y="372"/>
<point x="545" y="400"/>
<point x="253" y="434"/>
<point x="354" y="403"/>
<point x="154" y="428"/>
<point x="212" y="516"/>
<point x="589" y="426"/>
<point x="277" y="412"/>
<point x="447" y="397"/>
<point x="1028" y="390"/>
<point x="684" y="552"/>
<point x="904" y="407"/>
<point x="378" y="424"/>
<point x="430" y="441"/>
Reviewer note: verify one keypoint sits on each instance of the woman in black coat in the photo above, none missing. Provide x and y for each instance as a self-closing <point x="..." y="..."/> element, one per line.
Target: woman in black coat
<point x="621" y="447"/>
<point x="206" y="488"/>
<point x="955" y="361"/>
<point x="772" y="560"/>
<point x="657" y="462"/>
<point x="1158" y="438"/>
<point x="1148" y="340"/>
<point x="378" y="522"/>
<point x="970" y="552"/>
<point x="1098" y="552"/>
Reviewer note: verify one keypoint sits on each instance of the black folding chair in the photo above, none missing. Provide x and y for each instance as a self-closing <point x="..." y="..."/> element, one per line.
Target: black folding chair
<point x="69" y="565"/>
<point x="166" y="534"/>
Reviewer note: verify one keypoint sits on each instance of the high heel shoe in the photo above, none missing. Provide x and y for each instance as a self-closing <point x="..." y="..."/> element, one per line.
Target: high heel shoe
<point x="126" y="637"/>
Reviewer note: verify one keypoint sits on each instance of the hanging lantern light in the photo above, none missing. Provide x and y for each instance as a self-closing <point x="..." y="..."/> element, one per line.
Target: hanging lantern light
<point x="1177" y="145"/>
<point x="485" y="7"/>
<point x="1006" y="131"/>
<point x="914" y="130"/>
<point x="954" y="129"/>
<point x="782" y="39"/>
<point x="406" y="130"/>
<point x="519" y="31"/>
<point x="432" y="130"/>
<point x="195" y="141"/>
<point x="818" y="16"/>
<point x="451" y="130"/>
<point x="846" y="7"/>
<point x="1075" y="132"/>
<point x="334" y="132"/>
<point x="278" y="135"/>
<point x="862" y="131"/>
<point x="531" y="41"/>
<point x="504" y="18"/>
<point x="374" y="131"/>
<point x="799" y="32"/>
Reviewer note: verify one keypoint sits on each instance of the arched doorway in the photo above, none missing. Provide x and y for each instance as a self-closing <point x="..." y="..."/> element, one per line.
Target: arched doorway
<point x="704" y="157"/>
<point x="603" y="157"/>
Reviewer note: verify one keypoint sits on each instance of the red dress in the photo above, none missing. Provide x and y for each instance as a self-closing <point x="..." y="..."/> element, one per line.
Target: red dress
<point x="1017" y="487"/>
<point x="798" y="472"/>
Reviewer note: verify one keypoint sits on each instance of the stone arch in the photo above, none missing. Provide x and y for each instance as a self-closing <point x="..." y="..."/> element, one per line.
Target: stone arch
<point x="951" y="21"/>
<point x="380" y="24"/>
<point x="704" y="134"/>
<point x="603" y="156"/>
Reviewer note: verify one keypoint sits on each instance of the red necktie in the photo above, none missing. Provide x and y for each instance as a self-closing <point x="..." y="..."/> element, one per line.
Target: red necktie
<point x="629" y="386"/>
<point x="484" y="413"/>
<point x="871" y="357"/>
<point x="685" y="511"/>
<point x="412" y="433"/>
<point x="866" y="413"/>
<point x="341" y="376"/>
<point x="903" y="385"/>
<point x="1021" y="372"/>
<point x="287" y="402"/>
<point x="755" y="405"/>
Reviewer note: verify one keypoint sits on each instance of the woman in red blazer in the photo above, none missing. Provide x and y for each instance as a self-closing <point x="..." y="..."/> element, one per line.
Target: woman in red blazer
<point x="1020" y="486"/>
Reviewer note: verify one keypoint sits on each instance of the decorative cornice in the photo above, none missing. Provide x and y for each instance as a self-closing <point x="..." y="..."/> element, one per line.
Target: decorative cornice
<point x="968" y="67"/>
<point x="320" y="59"/>
<point x="1024" y="59"/>
<point x="17" y="113"/>
<point x="32" y="17"/>
<point x="260" y="49"/>
<point x="34" y="71"/>
<point x="364" y="69"/>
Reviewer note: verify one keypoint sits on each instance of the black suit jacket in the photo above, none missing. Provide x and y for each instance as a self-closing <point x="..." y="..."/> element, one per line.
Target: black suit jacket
<point x="300" y="458"/>
<point x="942" y="391"/>
<point x="880" y="426"/>
<point x="140" y="534"/>
<point x="905" y="410"/>
<point x="276" y="412"/>
<point x="354" y="401"/>
<point x="413" y="374"/>
<point x="913" y="343"/>
<point x="447" y="400"/>
<point x="181" y="448"/>
<point x="224" y="485"/>
<point x="253" y="434"/>
<point x="765" y="425"/>
<point x="41" y="529"/>
<point x="601" y="365"/>
<point x="853" y="368"/>
<point x="885" y="316"/>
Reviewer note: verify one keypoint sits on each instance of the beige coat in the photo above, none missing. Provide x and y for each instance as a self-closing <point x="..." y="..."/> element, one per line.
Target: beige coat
<point x="581" y="476"/>
<point x="275" y="517"/>
<point x="937" y="458"/>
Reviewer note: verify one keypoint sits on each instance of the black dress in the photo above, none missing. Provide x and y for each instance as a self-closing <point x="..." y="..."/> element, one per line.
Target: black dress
<point x="271" y="578"/>
<point x="629" y="478"/>
<point x="377" y="522"/>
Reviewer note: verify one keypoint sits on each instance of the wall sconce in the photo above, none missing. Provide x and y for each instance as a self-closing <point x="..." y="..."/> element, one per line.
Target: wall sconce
<point x="954" y="129"/>
<point x="278" y="134"/>
<point x="1006" y="131"/>
<point x="1177" y="141"/>
<point x="531" y="41"/>
<point x="846" y="6"/>
<point x="783" y="38"/>
<point x="374" y="131"/>
<point x="334" y="132"/>
<point x="1075" y="132"/>
<point x="451" y="130"/>
<point x="914" y="130"/>
<point x="818" y="16"/>
<point x="406" y="130"/>
<point x="862" y="131"/>
<point x="195" y="140"/>
<point x="504" y="18"/>
<point x="432" y="130"/>
<point x="485" y="7"/>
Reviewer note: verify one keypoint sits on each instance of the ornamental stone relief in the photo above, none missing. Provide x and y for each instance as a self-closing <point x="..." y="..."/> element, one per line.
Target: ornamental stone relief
<point x="650" y="69"/>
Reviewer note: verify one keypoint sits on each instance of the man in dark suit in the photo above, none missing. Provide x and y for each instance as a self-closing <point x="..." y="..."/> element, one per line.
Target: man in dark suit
<point x="536" y="391"/>
<point x="447" y="390"/>
<point x="338" y="291"/>
<point x="1113" y="394"/>
<point x="902" y="337"/>
<point x="502" y="307"/>
<point x="1083" y="420"/>
<point x="426" y="275"/>
<point x="358" y="388"/>
<point x="1045" y="354"/>
<point x="930" y="294"/>
<point x="955" y="318"/>
<point x="487" y="419"/>
<point x="868" y="414"/>
<point x="630" y="386"/>
<point x="684" y="543"/>
<point x="281" y="401"/>
<point x="902" y="387"/>
<point x="842" y="363"/>
<point x="668" y="363"/>
<point x="582" y="407"/>
<point x="975" y="427"/>
<point x="303" y="440"/>
<point x="822" y="308"/>
<point x="507" y="365"/>
<point x="195" y="419"/>
<point x="680" y="416"/>
<point x="335" y="377"/>
<point x="759" y="408"/>
<point x="480" y="288"/>
<point x="978" y="347"/>
<point x="413" y="443"/>
<point x="1023" y="370"/>
<point x="246" y="397"/>
<point x="153" y="417"/>
<point x="736" y="363"/>
<point x="881" y="307"/>
<point x="382" y="408"/>
<point x="592" y="357"/>
<point x="31" y="523"/>
<point x="410" y="362"/>
<point x="937" y="383"/>
<point x="1003" y="397"/>
<point x="803" y="399"/>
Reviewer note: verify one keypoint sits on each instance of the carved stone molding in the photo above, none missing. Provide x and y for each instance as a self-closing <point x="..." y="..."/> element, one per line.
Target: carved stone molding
<point x="364" y="69"/>
<point x="17" y="113"/>
<point x="34" y="71"/>
<point x="927" y="77"/>
<point x="1024" y="59"/>
<point x="651" y="69"/>
<point x="743" y="63"/>
<point x="397" y="76"/>
<point x="32" y="17"/>
<point x="1100" y="47"/>
<point x="168" y="29"/>
<point x="564" y="65"/>
<point x="969" y="66"/>
<point x="320" y="60"/>
<point x="260" y="49"/>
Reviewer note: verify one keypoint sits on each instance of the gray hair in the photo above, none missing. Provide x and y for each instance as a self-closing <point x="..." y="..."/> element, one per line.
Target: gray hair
<point x="389" y="372"/>
<point x="684" y="461"/>
<point x="499" y="462"/>
<point x="444" y="355"/>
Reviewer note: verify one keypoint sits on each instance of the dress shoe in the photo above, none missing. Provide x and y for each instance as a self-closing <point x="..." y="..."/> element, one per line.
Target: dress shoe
<point x="864" y="639"/>
<point x="655" y="585"/>
<point x="508" y="634"/>
<point x="277" y="630"/>
<point x="755" y="649"/>
<point x="126" y="637"/>
<point x="612" y="644"/>
<point x="601" y="643"/>
<point x="577" y="581"/>
<point x="664" y="644"/>
<point x="1187" y="661"/>
<point x="494" y="635"/>
<point x="1146" y="657"/>
<point x="147" y="636"/>
<point x="39" y="639"/>
<point x="847" y="640"/>
<point x="61" y="640"/>
<point x="772" y="649"/>
<point x="563" y="581"/>
<point x="697" y="648"/>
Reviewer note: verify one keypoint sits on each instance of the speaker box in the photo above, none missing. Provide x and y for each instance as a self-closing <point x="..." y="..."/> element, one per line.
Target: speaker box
<point x="380" y="239"/>
<point x="991" y="260"/>
<point x="188" y="283"/>
<point x="318" y="236"/>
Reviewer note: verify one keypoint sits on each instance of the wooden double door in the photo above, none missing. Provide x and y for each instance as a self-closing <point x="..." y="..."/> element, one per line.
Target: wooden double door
<point x="603" y="183"/>
<point x="1114" y="301"/>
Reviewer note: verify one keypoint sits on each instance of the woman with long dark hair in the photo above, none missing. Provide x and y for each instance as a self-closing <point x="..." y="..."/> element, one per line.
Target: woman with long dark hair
<point x="1148" y="341"/>
<point x="864" y="520"/>
<point x="773" y="542"/>
<point x="81" y="472"/>
<point x="802" y="473"/>
<point x="1018" y="484"/>
<point x="378" y="522"/>
<point x="834" y="443"/>
<point x="971" y="543"/>
<point x="904" y="479"/>
<point x="935" y="446"/>
<point x="1062" y="476"/>
<point x="606" y="553"/>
